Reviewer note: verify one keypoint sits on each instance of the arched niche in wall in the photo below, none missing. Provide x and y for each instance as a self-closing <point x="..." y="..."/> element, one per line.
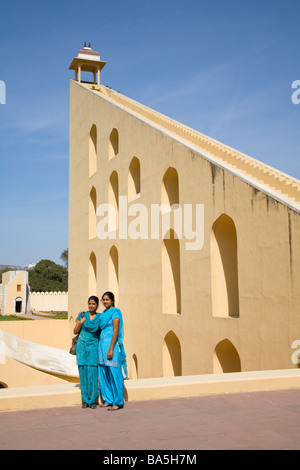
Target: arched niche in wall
<point x="134" y="368"/>
<point x="224" y="268"/>
<point x="113" y="199"/>
<point x="92" y="213"/>
<point x="226" y="358"/>
<point x="113" y="145"/>
<point x="93" y="150"/>
<point x="113" y="273"/>
<point x="170" y="187"/>
<point x="92" y="274"/>
<point x="134" y="179"/>
<point x="172" y="362"/>
<point x="171" y="289"/>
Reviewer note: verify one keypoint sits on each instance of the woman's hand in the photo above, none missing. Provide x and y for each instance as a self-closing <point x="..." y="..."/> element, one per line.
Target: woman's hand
<point x="79" y="324"/>
<point x="110" y="354"/>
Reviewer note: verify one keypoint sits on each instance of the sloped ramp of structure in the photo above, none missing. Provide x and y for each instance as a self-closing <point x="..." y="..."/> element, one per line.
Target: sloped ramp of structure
<point x="38" y="356"/>
<point x="266" y="178"/>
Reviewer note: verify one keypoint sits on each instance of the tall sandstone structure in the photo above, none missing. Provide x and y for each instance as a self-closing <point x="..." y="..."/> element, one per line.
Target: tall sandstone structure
<point x="199" y="242"/>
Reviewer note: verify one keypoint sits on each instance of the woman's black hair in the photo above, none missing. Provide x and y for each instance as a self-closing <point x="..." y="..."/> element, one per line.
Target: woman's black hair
<point x="111" y="296"/>
<point x="95" y="299"/>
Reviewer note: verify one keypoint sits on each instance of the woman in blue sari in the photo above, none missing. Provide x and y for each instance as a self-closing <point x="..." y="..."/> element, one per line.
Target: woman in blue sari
<point x="112" y="358"/>
<point x="88" y="327"/>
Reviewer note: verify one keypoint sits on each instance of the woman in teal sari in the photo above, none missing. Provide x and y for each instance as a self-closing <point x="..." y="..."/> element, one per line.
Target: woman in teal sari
<point x="112" y="358"/>
<point x="88" y="327"/>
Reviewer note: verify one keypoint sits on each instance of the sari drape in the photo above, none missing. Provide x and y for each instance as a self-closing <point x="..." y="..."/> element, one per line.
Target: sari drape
<point x="106" y="326"/>
<point x="87" y="358"/>
<point x="112" y="372"/>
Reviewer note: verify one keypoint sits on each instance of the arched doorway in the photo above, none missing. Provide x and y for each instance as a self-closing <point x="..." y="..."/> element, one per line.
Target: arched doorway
<point x="172" y="363"/>
<point x="93" y="150"/>
<point x="171" y="288"/>
<point x="224" y="268"/>
<point x="92" y="213"/>
<point x="18" y="305"/>
<point x="92" y="274"/>
<point x="226" y="358"/>
<point x="113" y="272"/>
<point x="135" y="369"/>
<point x="134" y="179"/>
<point x="113" y="144"/>
<point x="170" y="187"/>
<point x="113" y="199"/>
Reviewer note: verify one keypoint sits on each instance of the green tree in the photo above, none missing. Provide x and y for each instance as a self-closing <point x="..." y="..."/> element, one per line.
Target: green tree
<point x="48" y="276"/>
<point x="64" y="257"/>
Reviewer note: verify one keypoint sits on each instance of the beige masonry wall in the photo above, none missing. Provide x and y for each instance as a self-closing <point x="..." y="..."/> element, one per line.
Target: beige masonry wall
<point x="230" y="305"/>
<point x="54" y="333"/>
<point x="47" y="301"/>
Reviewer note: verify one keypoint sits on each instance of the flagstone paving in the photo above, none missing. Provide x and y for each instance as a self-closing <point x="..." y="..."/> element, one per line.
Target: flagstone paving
<point x="239" y="421"/>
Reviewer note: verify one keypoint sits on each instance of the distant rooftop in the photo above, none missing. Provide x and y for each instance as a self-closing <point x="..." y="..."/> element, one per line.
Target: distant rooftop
<point x="17" y="268"/>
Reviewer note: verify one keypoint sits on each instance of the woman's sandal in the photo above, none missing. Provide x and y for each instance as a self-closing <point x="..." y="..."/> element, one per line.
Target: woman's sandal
<point x="104" y="405"/>
<point x="84" y="405"/>
<point x="93" y="406"/>
<point x="114" y="408"/>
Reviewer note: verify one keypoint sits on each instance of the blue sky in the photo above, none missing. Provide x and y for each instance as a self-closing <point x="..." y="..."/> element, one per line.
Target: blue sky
<point x="224" y="68"/>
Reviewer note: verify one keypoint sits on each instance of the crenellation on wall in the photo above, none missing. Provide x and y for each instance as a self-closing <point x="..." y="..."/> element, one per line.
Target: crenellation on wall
<point x="49" y="301"/>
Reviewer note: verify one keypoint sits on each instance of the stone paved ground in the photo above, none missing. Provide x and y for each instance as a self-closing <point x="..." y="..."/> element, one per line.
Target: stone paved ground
<point x="240" y="421"/>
